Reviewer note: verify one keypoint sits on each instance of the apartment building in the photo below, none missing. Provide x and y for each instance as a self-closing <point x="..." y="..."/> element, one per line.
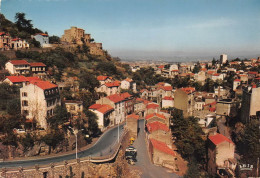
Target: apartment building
<point x="38" y="100"/>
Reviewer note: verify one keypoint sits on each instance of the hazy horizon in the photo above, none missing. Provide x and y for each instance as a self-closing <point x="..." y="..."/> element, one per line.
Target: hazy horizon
<point x="152" y="28"/>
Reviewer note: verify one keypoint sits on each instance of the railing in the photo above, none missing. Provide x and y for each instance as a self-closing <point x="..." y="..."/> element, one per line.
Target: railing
<point x="95" y="159"/>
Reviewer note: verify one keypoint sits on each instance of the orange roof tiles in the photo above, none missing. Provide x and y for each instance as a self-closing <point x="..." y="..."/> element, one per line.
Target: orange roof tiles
<point x="152" y="105"/>
<point x="133" y="116"/>
<point x="32" y="78"/>
<point x="128" y="80"/>
<point x="167" y="88"/>
<point x="149" y="116"/>
<point x="161" y="67"/>
<point x="211" y="72"/>
<point x="102" y="78"/>
<point x="143" y="90"/>
<point x="253" y="72"/>
<point x="37" y="64"/>
<point x="126" y="95"/>
<point x="95" y="106"/>
<point x="105" y="108"/>
<point x="217" y="74"/>
<point x="43" y="84"/>
<point x="219" y="138"/>
<point x="17" y="79"/>
<point x="162" y="147"/>
<point x="112" y="84"/>
<point x="188" y="90"/>
<point x="118" y="97"/>
<point x="18" y="62"/>
<point x="237" y="80"/>
<point x="167" y="98"/>
<point x="154" y="126"/>
<point x="16" y="39"/>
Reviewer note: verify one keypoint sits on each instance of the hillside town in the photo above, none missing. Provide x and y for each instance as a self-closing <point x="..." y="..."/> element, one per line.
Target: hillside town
<point x="200" y="118"/>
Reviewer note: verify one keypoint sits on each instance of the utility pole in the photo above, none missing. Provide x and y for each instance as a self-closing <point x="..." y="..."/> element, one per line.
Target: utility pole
<point x="118" y="131"/>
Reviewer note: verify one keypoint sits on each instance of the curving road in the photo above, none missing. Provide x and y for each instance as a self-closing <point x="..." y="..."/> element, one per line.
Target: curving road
<point x="102" y="147"/>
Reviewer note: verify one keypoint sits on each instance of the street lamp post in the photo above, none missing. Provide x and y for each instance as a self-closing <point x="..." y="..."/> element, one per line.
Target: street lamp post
<point x="118" y="132"/>
<point x="76" y="135"/>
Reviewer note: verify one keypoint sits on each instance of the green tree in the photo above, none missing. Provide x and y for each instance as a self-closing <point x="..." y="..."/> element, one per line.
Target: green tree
<point x="248" y="143"/>
<point x="188" y="135"/>
<point x="53" y="138"/>
<point x="27" y="141"/>
<point x="88" y="81"/>
<point x="14" y="107"/>
<point x="93" y="129"/>
<point x="23" y="24"/>
<point x="54" y="39"/>
<point x="60" y="116"/>
<point x="108" y="68"/>
<point x="3" y="59"/>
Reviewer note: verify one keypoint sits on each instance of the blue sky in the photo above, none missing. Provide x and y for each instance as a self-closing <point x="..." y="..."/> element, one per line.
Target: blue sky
<point x="152" y="28"/>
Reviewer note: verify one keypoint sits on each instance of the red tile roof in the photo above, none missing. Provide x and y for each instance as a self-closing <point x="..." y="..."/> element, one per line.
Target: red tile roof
<point x="16" y="39"/>
<point x="149" y="116"/>
<point x="237" y="80"/>
<point x="152" y="105"/>
<point x="113" y="84"/>
<point x="167" y="98"/>
<point x="175" y="70"/>
<point x="126" y="95"/>
<point x="143" y="90"/>
<point x="37" y="64"/>
<point x="162" y="147"/>
<point x="2" y="33"/>
<point x="32" y="78"/>
<point x="43" y="84"/>
<point x="154" y="126"/>
<point x="217" y="74"/>
<point x="17" y="79"/>
<point x="18" y="62"/>
<point x="133" y="116"/>
<point x="43" y="34"/>
<point x="253" y="72"/>
<point x="188" y="90"/>
<point x="95" y="106"/>
<point x="128" y="80"/>
<point x="161" y="67"/>
<point x="105" y="108"/>
<point x="116" y="98"/>
<point x="167" y="88"/>
<point x="219" y="138"/>
<point x="211" y="72"/>
<point x="102" y="78"/>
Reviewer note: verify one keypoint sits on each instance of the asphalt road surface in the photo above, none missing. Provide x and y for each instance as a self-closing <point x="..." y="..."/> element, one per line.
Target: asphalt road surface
<point x="104" y="146"/>
<point x="148" y="169"/>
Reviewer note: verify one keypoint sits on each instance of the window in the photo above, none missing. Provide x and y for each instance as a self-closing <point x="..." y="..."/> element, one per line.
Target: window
<point x="72" y="108"/>
<point x="24" y="94"/>
<point x="25" y="112"/>
<point x="24" y="103"/>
